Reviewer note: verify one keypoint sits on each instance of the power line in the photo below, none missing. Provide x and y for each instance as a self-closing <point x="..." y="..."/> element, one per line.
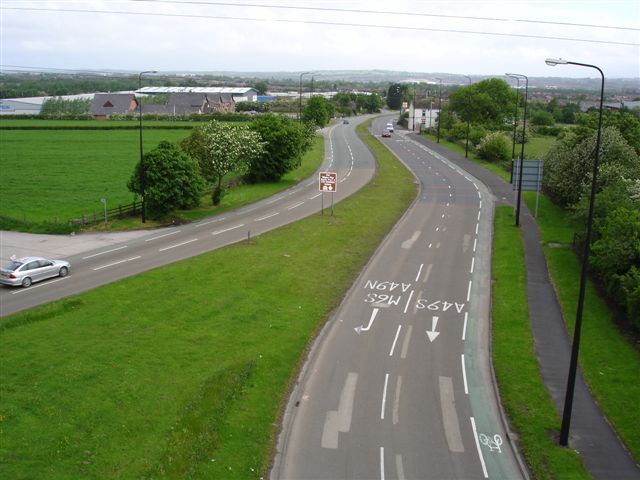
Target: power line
<point x="385" y="12"/>
<point x="318" y="22"/>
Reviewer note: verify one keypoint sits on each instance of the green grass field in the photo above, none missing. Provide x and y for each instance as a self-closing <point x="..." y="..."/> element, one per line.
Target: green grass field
<point x="91" y="124"/>
<point x="183" y="379"/>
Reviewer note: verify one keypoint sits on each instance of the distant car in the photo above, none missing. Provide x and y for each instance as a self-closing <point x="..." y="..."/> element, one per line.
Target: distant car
<point x="390" y="127"/>
<point x="27" y="270"/>
<point x="346" y="120"/>
<point x="386" y="133"/>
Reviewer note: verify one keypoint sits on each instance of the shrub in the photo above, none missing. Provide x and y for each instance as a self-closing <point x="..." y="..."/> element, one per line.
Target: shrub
<point x="494" y="147"/>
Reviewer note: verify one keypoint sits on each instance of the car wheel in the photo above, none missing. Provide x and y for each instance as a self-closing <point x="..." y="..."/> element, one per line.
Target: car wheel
<point x="64" y="271"/>
<point x="26" y="282"/>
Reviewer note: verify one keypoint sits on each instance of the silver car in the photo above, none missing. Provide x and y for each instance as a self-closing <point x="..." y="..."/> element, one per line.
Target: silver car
<point x="25" y="271"/>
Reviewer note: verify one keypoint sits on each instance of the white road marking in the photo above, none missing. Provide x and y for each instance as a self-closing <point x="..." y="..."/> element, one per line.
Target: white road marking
<point x="469" y="290"/>
<point x="273" y="200"/>
<point x="396" y="402"/>
<point x="407" y="244"/>
<point x="315" y="196"/>
<point x="210" y="221"/>
<point x="162" y="236"/>
<point x="419" y="271"/>
<point x="480" y="206"/>
<point x="381" y="463"/>
<point x="106" y="251"/>
<point x="477" y="226"/>
<point x="227" y="229"/>
<point x="464" y="326"/>
<point x="473" y="261"/>
<point x="450" y="415"/>
<point x="478" y="215"/>
<point x="340" y="420"/>
<point x="475" y="436"/>
<point x="23" y="290"/>
<point x="395" y="340"/>
<point x="295" y="205"/>
<point x="399" y="467"/>
<point x="384" y="396"/>
<point x="117" y="263"/>
<point x="475" y="240"/>
<point x="266" y="216"/>
<point x="408" y="301"/>
<point x="178" y="245"/>
<point x="405" y="343"/>
<point x="464" y="374"/>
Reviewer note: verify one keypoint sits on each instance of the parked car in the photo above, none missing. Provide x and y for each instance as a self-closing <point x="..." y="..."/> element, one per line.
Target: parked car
<point x="27" y="270"/>
<point x="386" y="133"/>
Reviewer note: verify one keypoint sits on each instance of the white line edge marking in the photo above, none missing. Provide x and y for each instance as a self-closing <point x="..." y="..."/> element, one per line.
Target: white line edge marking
<point x="475" y="240"/>
<point x="315" y="196"/>
<point x="177" y="245"/>
<point x="408" y="301"/>
<point x="382" y="462"/>
<point x="106" y="251"/>
<point x="464" y="374"/>
<point x="227" y="229"/>
<point x="295" y="206"/>
<point x="419" y="272"/>
<point x="477" y="226"/>
<point x="24" y="290"/>
<point x="210" y="221"/>
<point x="384" y="396"/>
<point x="473" y="262"/>
<point x="469" y="290"/>
<point x="116" y="263"/>
<point x="395" y="340"/>
<point x="162" y="236"/>
<point x="464" y="326"/>
<point x="266" y="216"/>
<point x="475" y="436"/>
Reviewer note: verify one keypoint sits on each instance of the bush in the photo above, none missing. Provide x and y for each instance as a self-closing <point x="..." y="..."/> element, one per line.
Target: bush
<point x="630" y="286"/>
<point x="476" y="134"/>
<point x="494" y="147"/>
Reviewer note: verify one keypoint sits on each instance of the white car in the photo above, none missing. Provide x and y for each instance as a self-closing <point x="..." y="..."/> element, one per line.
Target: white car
<point x="390" y="127"/>
<point x="27" y="270"/>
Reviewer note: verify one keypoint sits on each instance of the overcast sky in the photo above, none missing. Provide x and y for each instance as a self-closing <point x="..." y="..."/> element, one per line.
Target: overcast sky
<point x="186" y="36"/>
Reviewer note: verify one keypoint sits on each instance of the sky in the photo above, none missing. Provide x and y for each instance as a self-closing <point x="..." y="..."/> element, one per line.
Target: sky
<point x="260" y="35"/>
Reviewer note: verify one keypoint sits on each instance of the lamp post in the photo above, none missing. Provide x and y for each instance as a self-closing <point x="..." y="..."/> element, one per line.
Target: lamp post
<point x="524" y="127"/>
<point x="143" y="215"/>
<point x="571" y="380"/>
<point x="515" y="125"/>
<point x="466" y="147"/>
<point x="300" y="96"/>
<point x="439" y="109"/>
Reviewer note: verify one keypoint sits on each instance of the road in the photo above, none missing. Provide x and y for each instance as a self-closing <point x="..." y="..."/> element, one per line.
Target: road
<point x="345" y="154"/>
<point x="399" y="383"/>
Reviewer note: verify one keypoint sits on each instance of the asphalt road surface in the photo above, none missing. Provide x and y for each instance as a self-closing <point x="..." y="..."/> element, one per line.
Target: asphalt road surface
<point x="345" y="154"/>
<point x="399" y="384"/>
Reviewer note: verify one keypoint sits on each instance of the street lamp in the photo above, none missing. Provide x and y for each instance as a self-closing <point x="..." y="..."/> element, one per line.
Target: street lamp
<point x="439" y="109"/>
<point x="142" y="172"/>
<point x="568" y="399"/>
<point x="466" y="147"/>
<point x="300" y="95"/>
<point x="515" y="124"/>
<point x="524" y="127"/>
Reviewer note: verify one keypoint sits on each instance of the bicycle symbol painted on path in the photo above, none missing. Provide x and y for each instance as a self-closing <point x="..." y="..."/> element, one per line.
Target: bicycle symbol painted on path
<point x="493" y="443"/>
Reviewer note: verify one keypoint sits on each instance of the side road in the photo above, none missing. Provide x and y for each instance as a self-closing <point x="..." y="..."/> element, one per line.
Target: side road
<point x="604" y="455"/>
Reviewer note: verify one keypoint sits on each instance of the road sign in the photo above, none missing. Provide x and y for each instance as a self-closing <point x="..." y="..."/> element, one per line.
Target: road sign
<point x="531" y="175"/>
<point x="328" y="181"/>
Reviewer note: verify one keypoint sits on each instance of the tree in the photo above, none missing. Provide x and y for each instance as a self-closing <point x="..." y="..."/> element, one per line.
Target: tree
<point x="220" y="149"/>
<point x="318" y="111"/>
<point x="395" y="94"/>
<point x="172" y="180"/>
<point x="261" y="87"/>
<point x="489" y="102"/>
<point x="494" y="147"/>
<point x="285" y="142"/>
<point x="373" y="103"/>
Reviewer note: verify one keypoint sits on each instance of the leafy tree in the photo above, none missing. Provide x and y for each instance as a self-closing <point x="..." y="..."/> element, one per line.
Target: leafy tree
<point x="172" y="180"/>
<point x="395" y="94"/>
<point x="494" y="147"/>
<point x="542" y="117"/>
<point x="373" y="103"/>
<point x="489" y="102"/>
<point x="220" y="149"/>
<point x="58" y="105"/>
<point x="285" y="142"/>
<point x="318" y="110"/>
<point x="261" y="87"/>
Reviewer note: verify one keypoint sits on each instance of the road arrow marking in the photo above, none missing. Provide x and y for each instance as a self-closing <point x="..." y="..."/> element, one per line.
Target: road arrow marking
<point x="432" y="334"/>
<point x="366" y="329"/>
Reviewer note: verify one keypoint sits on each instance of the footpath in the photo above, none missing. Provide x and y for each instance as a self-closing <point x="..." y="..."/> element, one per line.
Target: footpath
<point x="603" y="454"/>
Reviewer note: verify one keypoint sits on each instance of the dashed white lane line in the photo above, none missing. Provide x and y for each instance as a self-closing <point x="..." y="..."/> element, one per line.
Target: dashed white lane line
<point x="405" y="343"/>
<point x="315" y="196"/>
<point x="396" y="402"/>
<point x="106" y="251"/>
<point x="266" y="216"/>
<point x="395" y="340"/>
<point x="464" y="326"/>
<point x="475" y="241"/>
<point x="24" y="290"/>
<point x="295" y="205"/>
<point x="475" y="436"/>
<point x="178" y="245"/>
<point x="218" y="232"/>
<point x="117" y="263"/>
<point x="399" y="467"/>
<point x="473" y="262"/>
<point x="419" y="271"/>
<point x="464" y="374"/>
<point x="384" y="396"/>
<point x="209" y="222"/>
<point x="469" y="290"/>
<point x="162" y="236"/>
<point x="381" y="463"/>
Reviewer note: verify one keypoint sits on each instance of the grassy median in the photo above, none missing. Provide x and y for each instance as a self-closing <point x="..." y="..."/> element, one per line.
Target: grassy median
<point x="182" y="372"/>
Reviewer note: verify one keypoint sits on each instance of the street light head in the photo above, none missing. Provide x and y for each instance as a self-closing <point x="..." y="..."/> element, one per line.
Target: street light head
<point x="552" y="62"/>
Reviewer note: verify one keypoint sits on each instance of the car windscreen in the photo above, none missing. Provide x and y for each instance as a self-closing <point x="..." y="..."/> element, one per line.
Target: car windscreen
<point x="12" y="266"/>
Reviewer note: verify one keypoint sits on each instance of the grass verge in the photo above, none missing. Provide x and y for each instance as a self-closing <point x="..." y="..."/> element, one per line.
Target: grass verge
<point x="524" y="395"/>
<point x="609" y="362"/>
<point x="185" y="372"/>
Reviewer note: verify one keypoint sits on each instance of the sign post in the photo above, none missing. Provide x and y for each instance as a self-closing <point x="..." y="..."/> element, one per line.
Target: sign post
<point x="328" y="182"/>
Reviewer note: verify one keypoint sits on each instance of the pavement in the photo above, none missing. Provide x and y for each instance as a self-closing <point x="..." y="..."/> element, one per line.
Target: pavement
<point x="591" y="435"/>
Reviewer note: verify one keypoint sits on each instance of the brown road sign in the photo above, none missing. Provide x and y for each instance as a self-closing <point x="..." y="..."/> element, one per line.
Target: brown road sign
<point x="328" y="181"/>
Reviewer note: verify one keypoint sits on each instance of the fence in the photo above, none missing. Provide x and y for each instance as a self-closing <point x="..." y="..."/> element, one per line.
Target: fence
<point x="121" y="211"/>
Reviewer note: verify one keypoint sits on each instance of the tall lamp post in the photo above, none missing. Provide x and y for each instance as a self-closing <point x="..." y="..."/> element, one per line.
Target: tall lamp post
<point x="143" y="214"/>
<point x="524" y="127"/>
<point x="571" y="381"/>
<point x="439" y="109"/>
<point x="515" y="125"/>
<point x="466" y="147"/>
<point x="300" y="96"/>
